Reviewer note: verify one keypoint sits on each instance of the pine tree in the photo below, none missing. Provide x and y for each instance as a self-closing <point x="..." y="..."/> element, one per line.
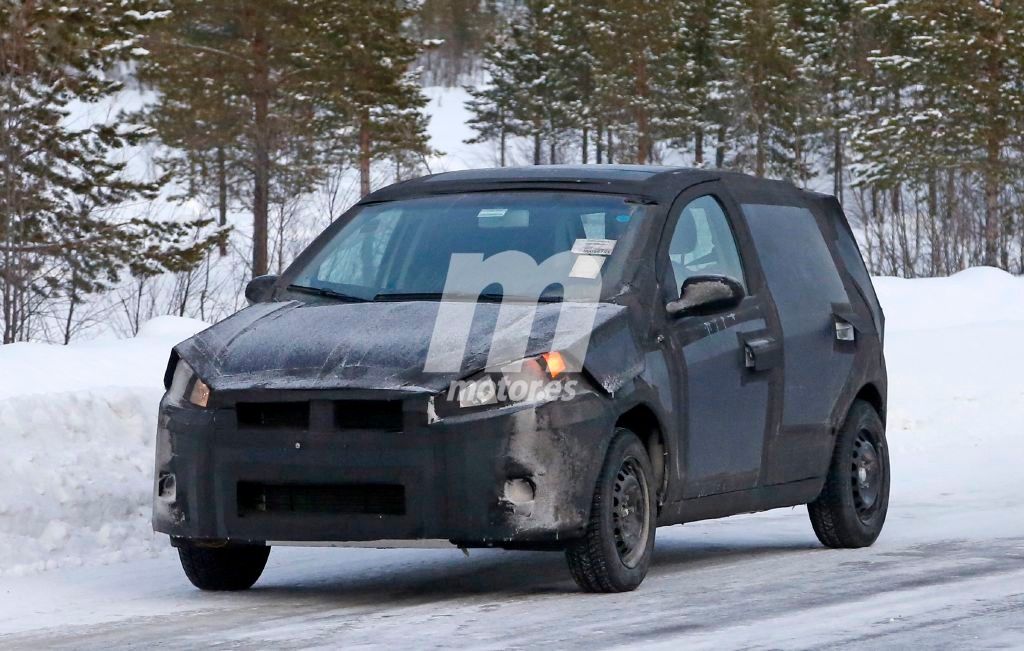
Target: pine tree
<point x="196" y="117"/>
<point x="986" y="101"/>
<point x="634" y="40"/>
<point x="457" y="33"/>
<point x="359" y="61"/>
<point x="571" y="62"/>
<point x="834" y="42"/>
<point x="263" y="99"/>
<point x="68" y="226"/>
<point x="527" y="93"/>
<point x="764" y="86"/>
<point x="932" y="113"/>
<point x="229" y="76"/>
<point x="690" y="107"/>
<point x="493" y="106"/>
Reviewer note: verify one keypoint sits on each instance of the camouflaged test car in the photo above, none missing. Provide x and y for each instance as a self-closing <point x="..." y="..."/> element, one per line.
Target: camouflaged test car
<point x="732" y="363"/>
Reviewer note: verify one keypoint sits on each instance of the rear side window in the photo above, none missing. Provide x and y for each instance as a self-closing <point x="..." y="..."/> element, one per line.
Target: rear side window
<point x="703" y="244"/>
<point x="796" y="260"/>
<point x="849" y="253"/>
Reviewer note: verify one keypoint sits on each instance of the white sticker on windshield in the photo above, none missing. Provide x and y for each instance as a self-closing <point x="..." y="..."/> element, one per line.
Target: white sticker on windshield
<point x="593" y="247"/>
<point x="587" y="266"/>
<point x="492" y="213"/>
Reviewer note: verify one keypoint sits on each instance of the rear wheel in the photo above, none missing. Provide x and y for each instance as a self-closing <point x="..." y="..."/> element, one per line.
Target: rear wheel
<point x="852" y="506"/>
<point x="615" y="552"/>
<point x="232" y="567"/>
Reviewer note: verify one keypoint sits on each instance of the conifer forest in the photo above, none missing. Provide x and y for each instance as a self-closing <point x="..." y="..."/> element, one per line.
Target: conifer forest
<point x="155" y="155"/>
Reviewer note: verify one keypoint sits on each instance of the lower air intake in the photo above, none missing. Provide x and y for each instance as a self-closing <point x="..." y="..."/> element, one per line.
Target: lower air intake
<point x="374" y="499"/>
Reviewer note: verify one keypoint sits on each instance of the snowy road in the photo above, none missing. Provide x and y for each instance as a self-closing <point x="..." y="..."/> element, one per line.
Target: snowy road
<point x="939" y="576"/>
<point x="947" y="572"/>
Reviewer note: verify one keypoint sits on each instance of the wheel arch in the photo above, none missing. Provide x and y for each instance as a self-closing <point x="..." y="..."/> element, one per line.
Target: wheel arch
<point x="870" y="394"/>
<point x="642" y="420"/>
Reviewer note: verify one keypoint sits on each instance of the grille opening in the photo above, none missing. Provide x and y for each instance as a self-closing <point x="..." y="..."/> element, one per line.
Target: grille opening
<point x="273" y="414"/>
<point x="368" y="414"/>
<point x="372" y="499"/>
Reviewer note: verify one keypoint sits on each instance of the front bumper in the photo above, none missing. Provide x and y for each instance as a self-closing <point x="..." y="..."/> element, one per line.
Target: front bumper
<point x="463" y="478"/>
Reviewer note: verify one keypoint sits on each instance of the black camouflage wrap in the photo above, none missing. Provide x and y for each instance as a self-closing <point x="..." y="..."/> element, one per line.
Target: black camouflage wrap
<point x="637" y="373"/>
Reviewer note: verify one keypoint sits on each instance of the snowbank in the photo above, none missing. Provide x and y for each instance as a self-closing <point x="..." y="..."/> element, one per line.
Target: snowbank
<point x="77" y="423"/>
<point x="956" y="391"/>
<point x="29" y="369"/>
<point x="977" y="296"/>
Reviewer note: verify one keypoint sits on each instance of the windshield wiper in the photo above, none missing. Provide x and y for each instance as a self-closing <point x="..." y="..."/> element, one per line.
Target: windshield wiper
<point x="435" y="296"/>
<point x="438" y="296"/>
<point x="323" y="291"/>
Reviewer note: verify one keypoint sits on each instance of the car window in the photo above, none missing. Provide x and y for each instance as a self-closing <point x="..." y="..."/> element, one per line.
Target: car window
<point x="407" y="246"/>
<point x="357" y="259"/>
<point x="703" y="244"/>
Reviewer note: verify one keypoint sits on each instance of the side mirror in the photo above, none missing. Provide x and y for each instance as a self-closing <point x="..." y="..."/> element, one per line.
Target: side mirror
<point x="703" y="294"/>
<point x="260" y="289"/>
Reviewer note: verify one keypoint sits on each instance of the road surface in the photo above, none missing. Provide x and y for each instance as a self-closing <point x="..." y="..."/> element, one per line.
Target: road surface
<point x="942" y="576"/>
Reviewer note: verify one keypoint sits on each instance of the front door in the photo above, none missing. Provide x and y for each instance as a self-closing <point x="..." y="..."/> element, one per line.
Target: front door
<point x="723" y="397"/>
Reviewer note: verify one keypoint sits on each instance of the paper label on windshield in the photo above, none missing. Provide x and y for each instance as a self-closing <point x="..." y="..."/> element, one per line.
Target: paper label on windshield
<point x="593" y="247"/>
<point x="587" y="266"/>
<point x="491" y="213"/>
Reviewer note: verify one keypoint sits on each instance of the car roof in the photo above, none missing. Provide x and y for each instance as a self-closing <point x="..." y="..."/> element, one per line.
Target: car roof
<point x="557" y="172"/>
<point x="647" y="181"/>
<point x="658" y="183"/>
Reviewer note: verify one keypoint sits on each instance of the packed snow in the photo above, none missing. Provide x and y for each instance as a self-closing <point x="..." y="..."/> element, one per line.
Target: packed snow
<point x="77" y="425"/>
<point x="956" y="394"/>
<point x="78" y="422"/>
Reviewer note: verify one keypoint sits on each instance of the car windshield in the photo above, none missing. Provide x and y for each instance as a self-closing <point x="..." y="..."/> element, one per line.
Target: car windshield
<point x="512" y="245"/>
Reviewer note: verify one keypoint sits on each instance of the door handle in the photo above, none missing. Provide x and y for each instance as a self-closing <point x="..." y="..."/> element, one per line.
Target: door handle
<point x="845" y="331"/>
<point x="761" y="353"/>
<point x="848" y="323"/>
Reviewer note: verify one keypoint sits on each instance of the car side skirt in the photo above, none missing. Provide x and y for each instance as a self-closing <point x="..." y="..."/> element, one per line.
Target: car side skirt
<point x="763" y="498"/>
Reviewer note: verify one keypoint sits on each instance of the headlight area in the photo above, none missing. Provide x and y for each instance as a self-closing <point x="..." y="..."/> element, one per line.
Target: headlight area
<point x="186" y="385"/>
<point x="532" y="381"/>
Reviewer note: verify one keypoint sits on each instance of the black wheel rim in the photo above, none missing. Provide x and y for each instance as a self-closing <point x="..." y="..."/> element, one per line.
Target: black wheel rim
<point x="630" y="518"/>
<point x="867" y="476"/>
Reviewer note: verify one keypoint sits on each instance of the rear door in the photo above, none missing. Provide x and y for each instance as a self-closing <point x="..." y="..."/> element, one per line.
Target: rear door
<point x="809" y="296"/>
<point x="723" y="400"/>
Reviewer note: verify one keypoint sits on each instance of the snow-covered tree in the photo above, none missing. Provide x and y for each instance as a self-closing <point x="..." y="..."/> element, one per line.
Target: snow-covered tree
<point x="692" y="114"/>
<point x="71" y="217"/>
<point x="765" y="87"/>
<point x="358" y="60"/>
<point x="456" y="32"/>
<point x="945" y="97"/>
<point x="633" y="42"/>
<point x="493" y="105"/>
<point x="526" y="93"/>
<point x="261" y="99"/>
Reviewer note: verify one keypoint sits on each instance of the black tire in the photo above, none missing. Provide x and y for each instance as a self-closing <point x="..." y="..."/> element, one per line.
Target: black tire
<point x="852" y="506"/>
<point x="615" y="552"/>
<point x="233" y="567"/>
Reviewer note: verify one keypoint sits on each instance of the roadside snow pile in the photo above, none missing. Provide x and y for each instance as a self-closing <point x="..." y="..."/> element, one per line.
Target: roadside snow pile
<point x="77" y="425"/>
<point x="956" y="390"/>
<point x="977" y="296"/>
<point x="90" y="365"/>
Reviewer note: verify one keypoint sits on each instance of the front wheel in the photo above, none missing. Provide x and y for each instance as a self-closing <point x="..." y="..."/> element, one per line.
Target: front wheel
<point x="852" y="506"/>
<point x="232" y="567"/>
<point x="615" y="552"/>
